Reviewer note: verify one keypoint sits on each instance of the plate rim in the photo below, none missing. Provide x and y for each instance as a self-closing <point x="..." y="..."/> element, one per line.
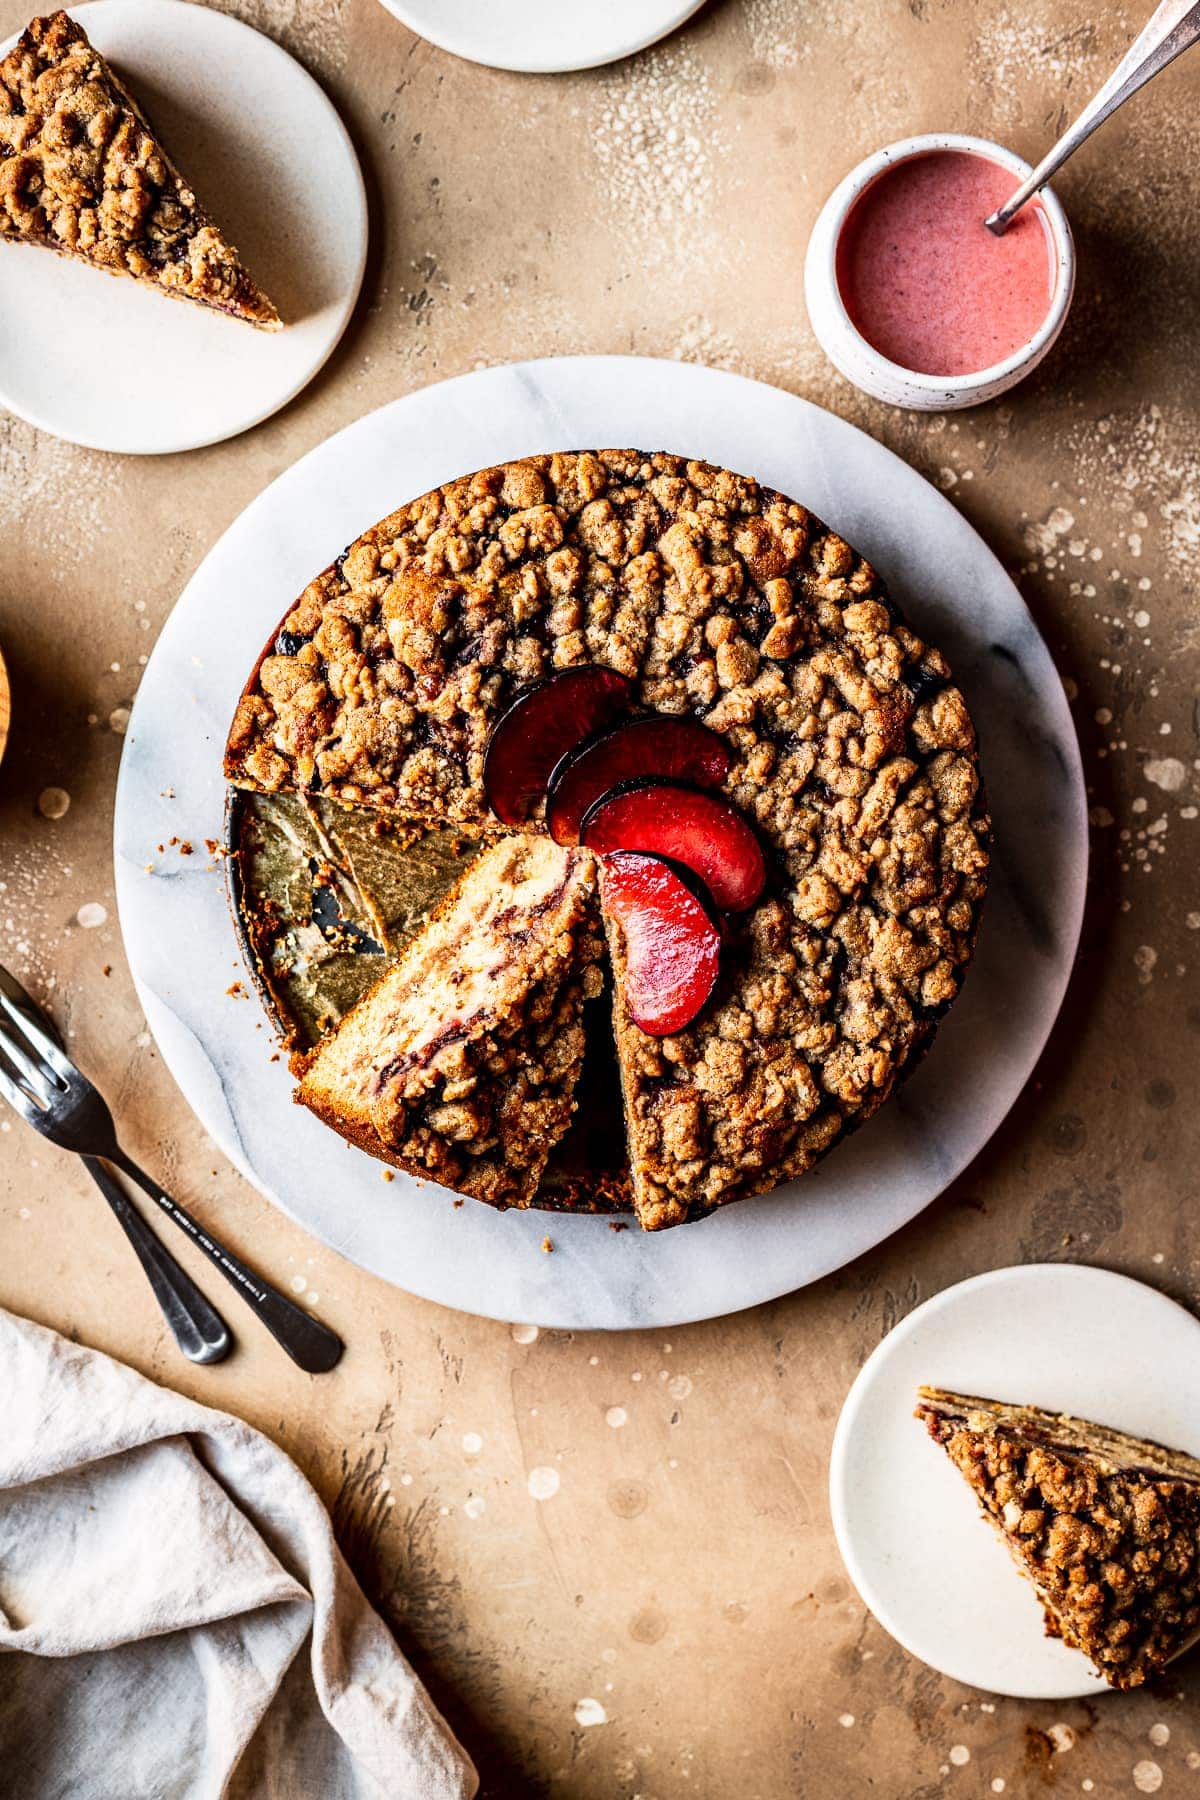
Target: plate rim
<point x="441" y="40"/>
<point x="838" y="1484"/>
<point x="204" y="441"/>
<point x="1071" y="904"/>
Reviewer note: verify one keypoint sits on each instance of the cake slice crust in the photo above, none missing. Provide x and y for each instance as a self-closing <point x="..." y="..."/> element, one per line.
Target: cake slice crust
<point x="1106" y="1526"/>
<point x="461" y="1063"/>
<point x="82" y="172"/>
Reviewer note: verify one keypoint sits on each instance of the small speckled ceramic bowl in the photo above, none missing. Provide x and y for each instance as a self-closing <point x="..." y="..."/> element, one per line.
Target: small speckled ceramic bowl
<point x="858" y="360"/>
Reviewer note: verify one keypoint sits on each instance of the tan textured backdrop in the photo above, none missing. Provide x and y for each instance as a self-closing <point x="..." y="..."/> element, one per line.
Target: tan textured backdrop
<point x="684" y="1578"/>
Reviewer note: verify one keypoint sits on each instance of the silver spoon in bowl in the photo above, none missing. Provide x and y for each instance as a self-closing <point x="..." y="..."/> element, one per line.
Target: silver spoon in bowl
<point x="1175" y="27"/>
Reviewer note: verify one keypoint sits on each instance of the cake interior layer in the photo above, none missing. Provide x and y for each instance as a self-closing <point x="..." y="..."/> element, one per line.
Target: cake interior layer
<point x="463" y="1060"/>
<point x="1116" y="1452"/>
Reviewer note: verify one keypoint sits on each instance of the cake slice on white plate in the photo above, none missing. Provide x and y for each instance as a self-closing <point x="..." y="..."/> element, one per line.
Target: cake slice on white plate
<point x="1106" y="1526"/>
<point x="83" y="172"/>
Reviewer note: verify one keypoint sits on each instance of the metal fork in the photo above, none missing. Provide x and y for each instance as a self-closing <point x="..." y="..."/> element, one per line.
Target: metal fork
<point x="46" y="1088"/>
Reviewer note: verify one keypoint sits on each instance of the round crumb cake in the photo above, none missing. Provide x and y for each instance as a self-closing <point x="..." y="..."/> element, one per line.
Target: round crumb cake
<point x="853" y="756"/>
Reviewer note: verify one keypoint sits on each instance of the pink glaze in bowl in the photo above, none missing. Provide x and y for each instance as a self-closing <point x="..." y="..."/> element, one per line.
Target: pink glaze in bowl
<point x="1016" y="318"/>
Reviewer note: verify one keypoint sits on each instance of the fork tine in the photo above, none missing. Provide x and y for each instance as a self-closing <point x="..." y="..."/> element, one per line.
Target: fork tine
<point x="35" y="1077"/>
<point x="18" y="1099"/>
<point x="28" y="1019"/>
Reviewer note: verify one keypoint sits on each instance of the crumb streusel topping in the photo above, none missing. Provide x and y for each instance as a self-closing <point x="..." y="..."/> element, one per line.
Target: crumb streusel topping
<point x="854" y="756"/>
<point x="462" y="1062"/>
<point x="82" y="172"/>
<point x="1106" y="1526"/>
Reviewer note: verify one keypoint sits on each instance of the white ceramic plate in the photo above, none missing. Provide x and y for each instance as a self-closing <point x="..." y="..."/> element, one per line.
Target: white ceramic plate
<point x="542" y="37"/>
<point x="184" y="953"/>
<point x="115" y="366"/>
<point x="932" y="1570"/>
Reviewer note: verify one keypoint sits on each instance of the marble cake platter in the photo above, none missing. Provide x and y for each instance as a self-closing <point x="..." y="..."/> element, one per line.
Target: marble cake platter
<point x="181" y="939"/>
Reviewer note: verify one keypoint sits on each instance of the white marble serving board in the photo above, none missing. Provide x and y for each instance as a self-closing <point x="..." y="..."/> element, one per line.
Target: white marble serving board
<point x="184" y="953"/>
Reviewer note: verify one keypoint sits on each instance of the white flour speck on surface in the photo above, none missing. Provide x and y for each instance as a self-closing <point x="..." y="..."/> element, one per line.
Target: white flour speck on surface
<point x="1144" y="959"/>
<point x="654" y="135"/>
<point x="846" y="1720"/>
<point x="1159" y="1735"/>
<point x="53" y="803"/>
<point x="524" y="1334"/>
<point x="590" y="1712"/>
<point x="314" y="31"/>
<point x="118" y="720"/>
<point x="1023" y="49"/>
<point x="616" y="1416"/>
<point x="44" y="480"/>
<point x="959" y="1755"/>
<point x="1147" y="1777"/>
<point x="1044" y="538"/>
<point x="472" y="1443"/>
<point x="1061" y="1737"/>
<point x="679" y="1387"/>
<point x="474" y="1506"/>
<point x="298" y="1283"/>
<point x="92" y="914"/>
<point x="998" y="1784"/>
<point x="1166" y="772"/>
<point x="543" y="1482"/>
<point x="777" y="37"/>
<point x="1148" y="451"/>
<point x="699" y="340"/>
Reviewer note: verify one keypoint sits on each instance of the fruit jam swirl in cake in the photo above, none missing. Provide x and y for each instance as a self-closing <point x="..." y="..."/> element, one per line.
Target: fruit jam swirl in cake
<point x="853" y="755"/>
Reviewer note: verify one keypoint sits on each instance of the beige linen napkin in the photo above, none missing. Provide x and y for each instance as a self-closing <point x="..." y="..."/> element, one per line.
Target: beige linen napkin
<point x="178" y="1621"/>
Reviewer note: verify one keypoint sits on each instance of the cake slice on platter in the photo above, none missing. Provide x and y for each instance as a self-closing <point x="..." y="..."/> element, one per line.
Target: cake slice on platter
<point x="461" y="1063"/>
<point x="1105" y="1526"/>
<point x="82" y="172"/>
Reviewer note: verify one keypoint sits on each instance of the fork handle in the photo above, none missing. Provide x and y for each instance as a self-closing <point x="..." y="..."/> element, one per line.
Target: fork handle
<point x="309" y="1343"/>
<point x="197" y="1327"/>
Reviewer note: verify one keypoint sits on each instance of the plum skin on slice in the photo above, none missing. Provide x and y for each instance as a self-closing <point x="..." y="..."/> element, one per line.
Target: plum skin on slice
<point x="542" y="724"/>
<point x="672" y="938"/>
<point x="664" y="746"/>
<point x="702" y="831"/>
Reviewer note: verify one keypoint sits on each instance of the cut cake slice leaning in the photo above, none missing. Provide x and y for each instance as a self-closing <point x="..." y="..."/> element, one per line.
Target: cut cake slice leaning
<point x="1105" y="1526"/>
<point x="461" y="1063"/>
<point x="82" y="172"/>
